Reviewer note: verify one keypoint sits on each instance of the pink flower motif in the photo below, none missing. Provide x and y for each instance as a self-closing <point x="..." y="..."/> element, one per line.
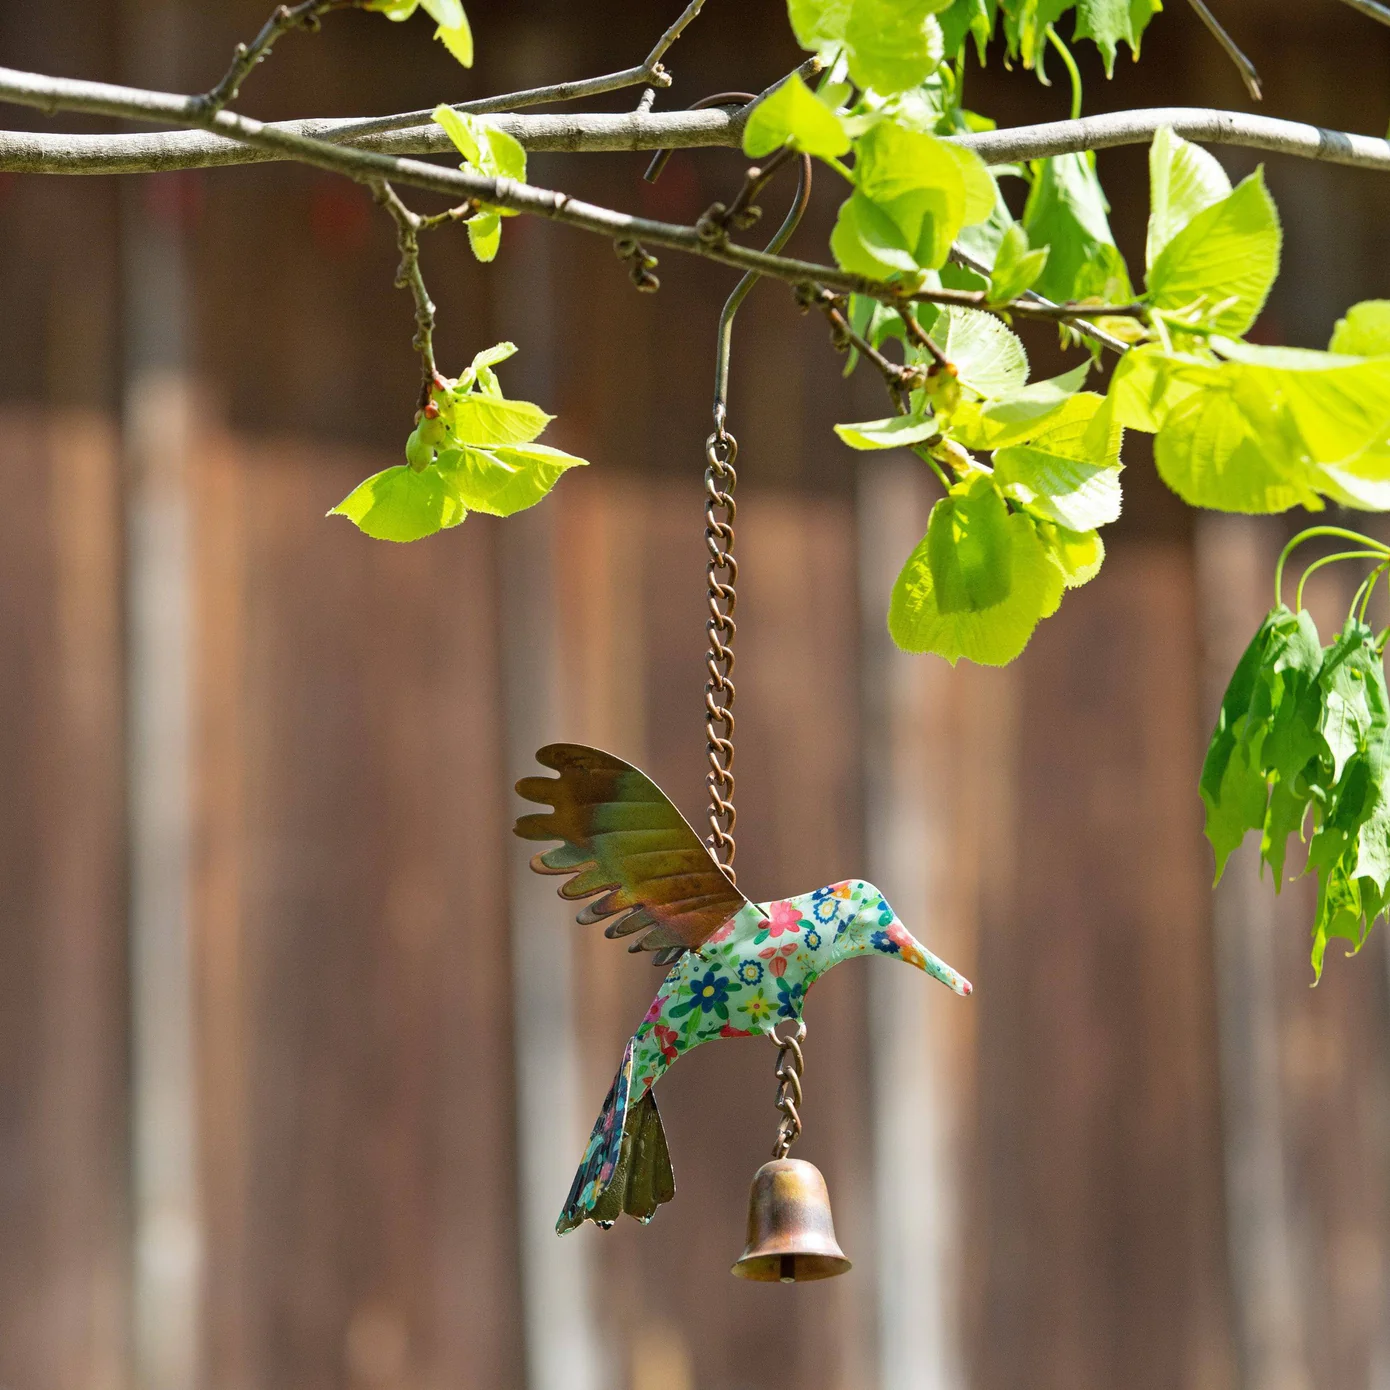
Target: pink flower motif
<point x="722" y="934"/>
<point x="666" y="1041"/>
<point x="778" y="966"/>
<point x="783" y="917"/>
<point x="654" y="1012"/>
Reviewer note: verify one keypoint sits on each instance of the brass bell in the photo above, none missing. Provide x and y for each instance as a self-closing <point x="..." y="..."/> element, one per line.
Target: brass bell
<point x="791" y="1237"/>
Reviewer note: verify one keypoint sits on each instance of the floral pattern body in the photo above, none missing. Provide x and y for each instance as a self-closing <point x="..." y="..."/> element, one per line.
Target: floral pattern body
<point x="756" y="970"/>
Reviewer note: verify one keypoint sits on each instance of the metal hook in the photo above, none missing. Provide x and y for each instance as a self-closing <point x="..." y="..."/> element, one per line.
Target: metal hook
<point x="789" y="225"/>
<point x="726" y="317"/>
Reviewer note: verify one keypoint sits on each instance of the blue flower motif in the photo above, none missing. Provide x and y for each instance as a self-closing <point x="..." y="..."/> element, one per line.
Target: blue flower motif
<point x="811" y="939"/>
<point x="881" y="941"/>
<point x="825" y="909"/>
<point x="709" y="994"/>
<point x="751" y="972"/>
<point x="789" y="998"/>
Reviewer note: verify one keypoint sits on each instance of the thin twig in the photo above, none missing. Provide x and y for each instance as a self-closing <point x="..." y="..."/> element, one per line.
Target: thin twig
<point x="922" y="338"/>
<point x="652" y="66"/>
<point x="245" y="56"/>
<point x="898" y="379"/>
<point x="1371" y="9"/>
<point x="741" y="212"/>
<point x="648" y="73"/>
<point x="1244" y="66"/>
<point x="1078" y="325"/>
<point x="408" y="225"/>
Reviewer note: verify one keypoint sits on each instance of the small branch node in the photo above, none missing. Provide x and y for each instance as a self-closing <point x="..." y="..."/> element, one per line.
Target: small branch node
<point x="640" y="263"/>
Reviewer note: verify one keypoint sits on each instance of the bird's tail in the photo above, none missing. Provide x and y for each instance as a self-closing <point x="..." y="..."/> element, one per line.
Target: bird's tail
<point x="626" y="1166"/>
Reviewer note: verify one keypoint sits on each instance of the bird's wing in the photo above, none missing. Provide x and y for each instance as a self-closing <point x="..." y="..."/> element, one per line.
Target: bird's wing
<point x="623" y="838"/>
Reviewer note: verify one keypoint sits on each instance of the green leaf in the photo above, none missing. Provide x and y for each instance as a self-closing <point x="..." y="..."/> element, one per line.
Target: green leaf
<point x="484" y="234"/>
<point x="1078" y="555"/>
<point x="1362" y="482"/>
<point x="982" y="239"/>
<point x="1211" y="455"/>
<point x="1348" y="688"/>
<point x="476" y="418"/>
<point x="400" y="504"/>
<point x="1183" y="180"/>
<point x="448" y="13"/>
<point x="1067" y="212"/>
<point x="1223" y="262"/>
<point x="464" y="129"/>
<point x="1030" y="406"/>
<point x="1149" y="383"/>
<point x="981" y="191"/>
<point x="1286" y="708"/>
<point x="893" y="45"/>
<point x="978" y="581"/>
<point x="487" y="150"/>
<point x="989" y="359"/>
<point x="1110" y="22"/>
<point x="967" y="17"/>
<point x="818" y="23"/>
<point x="891" y="433"/>
<point x="1016" y="417"/>
<point x="1365" y="331"/>
<point x="453" y="31"/>
<point x="1233" y="791"/>
<point x="1059" y="475"/>
<point x="794" y="113"/>
<point x="867" y="241"/>
<point x="917" y="182"/>
<point x="1340" y="405"/>
<point x="504" y="479"/>
<point x="1016" y="268"/>
<point x="506" y="155"/>
<point x="491" y="357"/>
<point x="1025" y="28"/>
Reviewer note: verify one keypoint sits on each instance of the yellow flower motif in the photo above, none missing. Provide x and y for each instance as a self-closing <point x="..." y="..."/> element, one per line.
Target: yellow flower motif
<point x="757" y="1007"/>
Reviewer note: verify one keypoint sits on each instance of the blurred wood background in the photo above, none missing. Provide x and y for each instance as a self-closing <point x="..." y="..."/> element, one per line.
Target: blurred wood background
<point x="1155" y="1158"/>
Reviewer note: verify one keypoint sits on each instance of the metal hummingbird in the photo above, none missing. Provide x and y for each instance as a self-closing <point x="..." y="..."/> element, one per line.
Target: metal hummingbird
<point x="737" y="967"/>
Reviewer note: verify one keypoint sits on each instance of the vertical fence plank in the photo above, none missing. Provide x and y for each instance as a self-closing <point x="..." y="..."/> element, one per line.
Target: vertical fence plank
<point x="1100" y="1187"/>
<point x="63" y="1251"/>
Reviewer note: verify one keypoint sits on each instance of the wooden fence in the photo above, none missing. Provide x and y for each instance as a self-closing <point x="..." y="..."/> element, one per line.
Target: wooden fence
<point x="354" y="965"/>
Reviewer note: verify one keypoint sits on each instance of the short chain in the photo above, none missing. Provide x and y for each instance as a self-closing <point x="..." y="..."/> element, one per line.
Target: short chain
<point x="790" y="1065"/>
<point x="721" y="449"/>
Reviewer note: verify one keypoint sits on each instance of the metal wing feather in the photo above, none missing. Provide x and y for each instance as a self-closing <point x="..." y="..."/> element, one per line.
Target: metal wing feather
<point x="623" y="838"/>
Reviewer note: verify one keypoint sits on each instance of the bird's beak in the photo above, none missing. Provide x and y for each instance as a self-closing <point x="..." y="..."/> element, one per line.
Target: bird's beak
<point x="914" y="953"/>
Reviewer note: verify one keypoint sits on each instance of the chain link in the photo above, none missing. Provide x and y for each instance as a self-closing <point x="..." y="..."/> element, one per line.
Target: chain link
<point x="790" y="1065"/>
<point x="721" y="449"/>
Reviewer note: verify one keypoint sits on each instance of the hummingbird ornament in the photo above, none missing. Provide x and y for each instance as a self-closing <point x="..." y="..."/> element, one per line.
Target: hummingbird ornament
<point x="737" y="968"/>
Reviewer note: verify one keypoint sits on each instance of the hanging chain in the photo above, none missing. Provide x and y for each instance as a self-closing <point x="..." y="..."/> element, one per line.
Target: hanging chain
<point x="790" y="1065"/>
<point x="721" y="449"/>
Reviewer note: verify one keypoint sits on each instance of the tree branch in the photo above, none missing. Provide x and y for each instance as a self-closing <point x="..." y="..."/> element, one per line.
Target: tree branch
<point x="461" y="185"/>
<point x="31" y="152"/>
<point x="1203" y="124"/>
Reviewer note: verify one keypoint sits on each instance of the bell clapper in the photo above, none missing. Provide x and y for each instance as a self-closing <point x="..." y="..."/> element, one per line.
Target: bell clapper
<point x="791" y="1235"/>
